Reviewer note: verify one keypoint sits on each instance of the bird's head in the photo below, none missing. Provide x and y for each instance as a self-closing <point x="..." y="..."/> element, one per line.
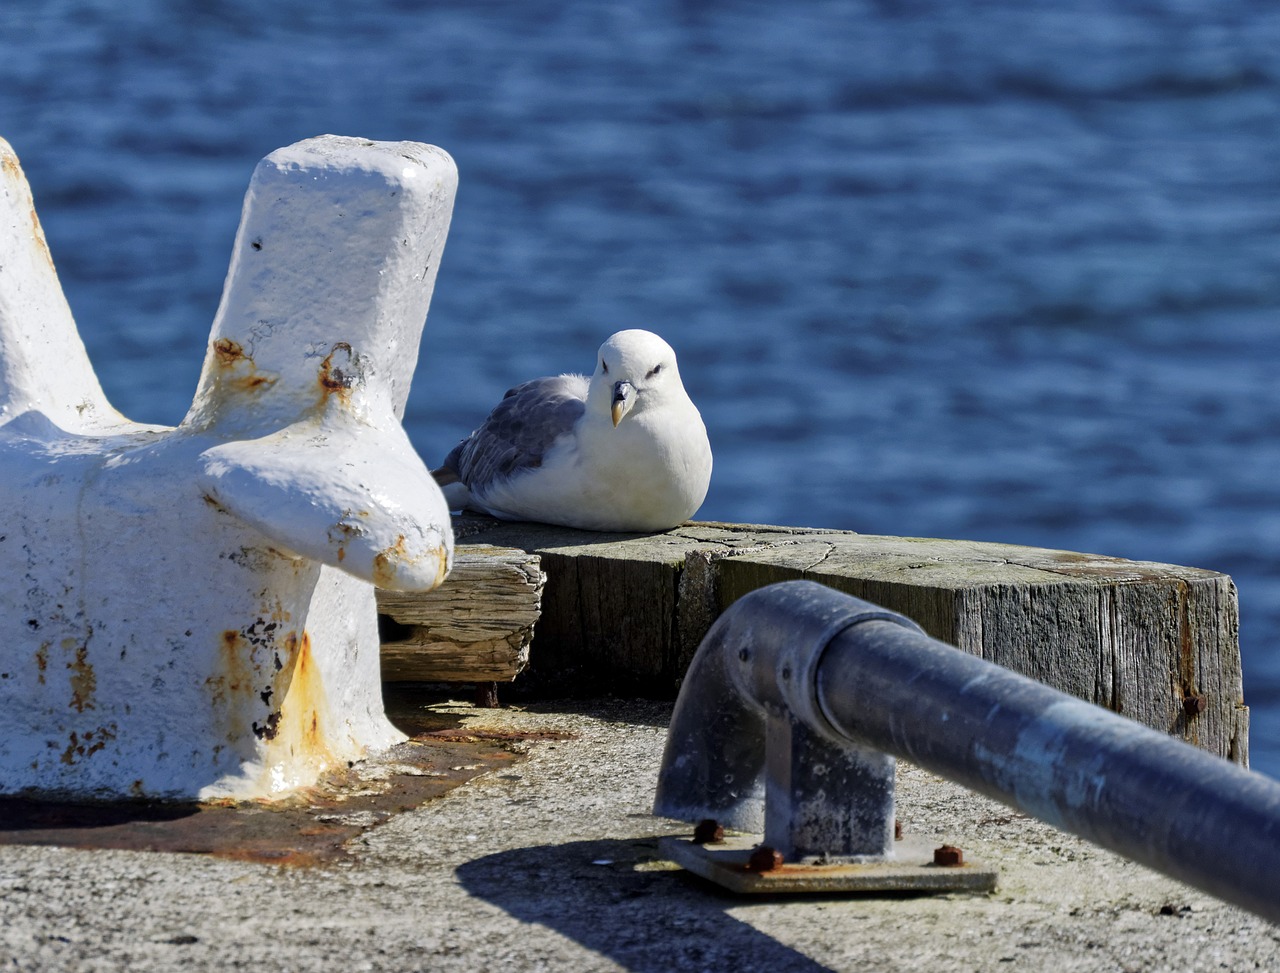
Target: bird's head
<point x="634" y="370"/>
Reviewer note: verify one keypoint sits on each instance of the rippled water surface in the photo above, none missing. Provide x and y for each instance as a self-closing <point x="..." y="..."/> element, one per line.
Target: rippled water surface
<point x="1005" y="271"/>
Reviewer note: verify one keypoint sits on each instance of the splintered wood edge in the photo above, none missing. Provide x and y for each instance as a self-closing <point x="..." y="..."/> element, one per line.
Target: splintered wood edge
<point x="476" y="627"/>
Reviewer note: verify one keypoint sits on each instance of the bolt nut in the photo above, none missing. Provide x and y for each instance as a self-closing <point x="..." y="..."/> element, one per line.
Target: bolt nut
<point x="948" y="856"/>
<point x="1193" y="704"/>
<point x="764" y="859"/>
<point x="708" y="832"/>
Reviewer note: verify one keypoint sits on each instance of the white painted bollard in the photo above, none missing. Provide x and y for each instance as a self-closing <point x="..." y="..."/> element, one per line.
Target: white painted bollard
<point x="189" y="612"/>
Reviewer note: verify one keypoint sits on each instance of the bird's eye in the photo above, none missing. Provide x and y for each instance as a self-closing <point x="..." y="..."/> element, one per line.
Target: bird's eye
<point x="654" y="371"/>
<point x="604" y="365"/>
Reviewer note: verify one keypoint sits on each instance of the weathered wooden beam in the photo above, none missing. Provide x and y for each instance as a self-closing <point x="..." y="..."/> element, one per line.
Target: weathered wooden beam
<point x="1155" y="642"/>
<point x="476" y="627"/>
<point x="1159" y="643"/>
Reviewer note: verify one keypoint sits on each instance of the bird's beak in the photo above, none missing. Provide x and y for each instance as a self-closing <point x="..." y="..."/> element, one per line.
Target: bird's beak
<point x="624" y="397"/>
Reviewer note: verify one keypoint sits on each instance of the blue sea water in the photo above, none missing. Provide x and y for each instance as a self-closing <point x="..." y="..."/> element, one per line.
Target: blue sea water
<point x="1003" y="270"/>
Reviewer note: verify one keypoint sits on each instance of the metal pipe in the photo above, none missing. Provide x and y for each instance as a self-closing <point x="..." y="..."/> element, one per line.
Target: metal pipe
<point x="868" y="678"/>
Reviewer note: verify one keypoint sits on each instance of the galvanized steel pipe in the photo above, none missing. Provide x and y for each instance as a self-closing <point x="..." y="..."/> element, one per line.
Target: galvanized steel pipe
<point x="868" y="678"/>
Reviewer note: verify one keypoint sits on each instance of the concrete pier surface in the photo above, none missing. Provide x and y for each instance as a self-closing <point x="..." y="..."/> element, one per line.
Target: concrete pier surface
<point x="549" y="862"/>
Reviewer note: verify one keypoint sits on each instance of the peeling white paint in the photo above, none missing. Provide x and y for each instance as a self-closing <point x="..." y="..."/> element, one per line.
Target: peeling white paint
<point x="189" y="612"/>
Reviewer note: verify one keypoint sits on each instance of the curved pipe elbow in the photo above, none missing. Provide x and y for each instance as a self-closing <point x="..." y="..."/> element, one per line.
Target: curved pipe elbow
<point x="760" y="659"/>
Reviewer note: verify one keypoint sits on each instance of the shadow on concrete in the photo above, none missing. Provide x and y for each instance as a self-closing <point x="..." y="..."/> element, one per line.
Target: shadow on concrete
<point x="610" y="897"/>
<point x="23" y="815"/>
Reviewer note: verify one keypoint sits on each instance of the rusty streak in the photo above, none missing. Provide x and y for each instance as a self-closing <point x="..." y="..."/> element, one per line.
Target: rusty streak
<point x="386" y="563"/>
<point x="84" y="682"/>
<point x="80" y="747"/>
<point x="38" y="232"/>
<point x="338" y="379"/>
<point x="229" y="352"/>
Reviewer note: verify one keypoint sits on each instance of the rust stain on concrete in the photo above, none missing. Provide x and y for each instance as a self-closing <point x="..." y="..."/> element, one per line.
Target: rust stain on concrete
<point x="310" y="829"/>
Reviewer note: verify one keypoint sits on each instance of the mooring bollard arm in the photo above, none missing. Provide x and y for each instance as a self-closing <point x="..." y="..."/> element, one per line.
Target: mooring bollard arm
<point x="188" y="613"/>
<point x="340" y="492"/>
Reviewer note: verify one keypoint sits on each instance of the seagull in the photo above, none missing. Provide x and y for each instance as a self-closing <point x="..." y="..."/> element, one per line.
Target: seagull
<point x="625" y="450"/>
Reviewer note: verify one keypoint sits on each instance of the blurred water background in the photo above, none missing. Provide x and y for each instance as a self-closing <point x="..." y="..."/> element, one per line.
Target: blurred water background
<point x="1004" y="270"/>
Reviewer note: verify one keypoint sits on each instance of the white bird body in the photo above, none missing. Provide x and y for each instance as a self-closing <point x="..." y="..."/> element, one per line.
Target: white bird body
<point x="625" y="451"/>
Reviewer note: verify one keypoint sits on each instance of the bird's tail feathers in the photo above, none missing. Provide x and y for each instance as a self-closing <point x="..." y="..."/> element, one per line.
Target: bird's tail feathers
<point x="456" y="494"/>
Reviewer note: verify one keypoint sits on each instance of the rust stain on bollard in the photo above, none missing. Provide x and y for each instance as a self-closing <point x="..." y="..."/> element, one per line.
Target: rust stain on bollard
<point x="304" y="711"/>
<point x="389" y="565"/>
<point x="339" y="377"/>
<point x="86" y="744"/>
<point x="84" y="682"/>
<point x="9" y="168"/>
<point x="227" y="351"/>
<point x="386" y="563"/>
<point x="232" y="358"/>
<point x="38" y="231"/>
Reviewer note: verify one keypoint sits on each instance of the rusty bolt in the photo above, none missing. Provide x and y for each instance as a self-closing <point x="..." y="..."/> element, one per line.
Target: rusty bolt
<point x="1193" y="704"/>
<point x="764" y="859"/>
<point x="948" y="856"/>
<point x="708" y="832"/>
<point x="897" y="830"/>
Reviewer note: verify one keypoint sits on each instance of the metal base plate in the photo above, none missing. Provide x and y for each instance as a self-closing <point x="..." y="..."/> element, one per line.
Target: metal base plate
<point x="910" y="870"/>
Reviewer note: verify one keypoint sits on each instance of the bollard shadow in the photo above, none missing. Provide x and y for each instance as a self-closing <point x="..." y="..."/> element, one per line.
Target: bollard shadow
<point x="36" y="818"/>
<point x="127" y="825"/>
<point x="610" y="897"/>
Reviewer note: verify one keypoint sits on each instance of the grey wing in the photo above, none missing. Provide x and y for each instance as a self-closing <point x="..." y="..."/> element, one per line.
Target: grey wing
<point x="519" y="431"/>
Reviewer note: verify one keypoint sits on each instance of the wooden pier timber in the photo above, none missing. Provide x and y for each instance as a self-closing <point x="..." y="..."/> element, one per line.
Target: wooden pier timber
<point x="477" y="627"/>
<point x="624" y="613"/>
